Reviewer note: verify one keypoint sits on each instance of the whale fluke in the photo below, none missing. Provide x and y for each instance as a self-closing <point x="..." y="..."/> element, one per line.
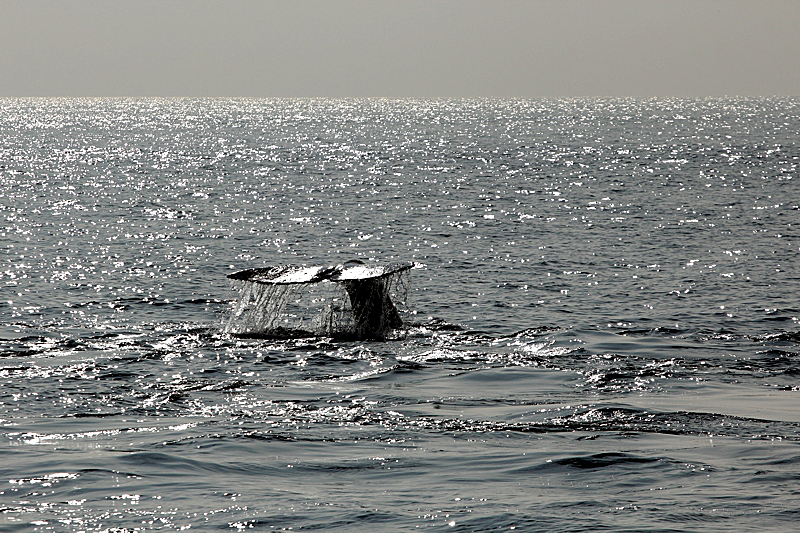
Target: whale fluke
<point x="372" y="313"/>
<point x="350" y="271"/>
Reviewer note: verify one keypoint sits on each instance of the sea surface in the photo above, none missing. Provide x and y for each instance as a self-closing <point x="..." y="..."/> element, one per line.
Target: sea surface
<point x="601" y="335"/>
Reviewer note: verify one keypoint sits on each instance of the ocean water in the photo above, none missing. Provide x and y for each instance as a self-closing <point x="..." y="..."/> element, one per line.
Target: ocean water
<point x="602" y="336"/>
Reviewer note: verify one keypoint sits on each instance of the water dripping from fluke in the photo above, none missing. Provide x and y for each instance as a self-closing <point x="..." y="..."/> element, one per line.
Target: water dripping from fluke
<point x="348" y="301"/>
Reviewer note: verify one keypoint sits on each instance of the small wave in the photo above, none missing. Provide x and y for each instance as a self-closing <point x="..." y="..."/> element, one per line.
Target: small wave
<point x="601" y="460"/>
<point x="783" y="336"/>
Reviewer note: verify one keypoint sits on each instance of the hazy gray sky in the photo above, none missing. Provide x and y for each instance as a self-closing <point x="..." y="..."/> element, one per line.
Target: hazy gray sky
<point x="416" y="48"/>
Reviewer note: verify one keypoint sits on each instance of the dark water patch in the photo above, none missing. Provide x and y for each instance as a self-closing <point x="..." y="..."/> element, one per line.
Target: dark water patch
<point x="88" y="303"/>
<point x="408" y="367"/>
<point x="10" y="370"/>
<point x="116" y="375"/>
<point x="229" y="385"/>
<point x="102" y="472"/>
<point x="41" y="347"/>
<point x="266" y="436"/>
<point x="787" y="318"/>
<point x="141" y="355"/>
<point x="93" y="415"/>
<point x="677" y="423"/>
<point x="18" y="352"/>
<point x="776" y="353"/>
<point x="603" y="460"/>
<point x="779" y="337"/>
<point x="355" y="467"/>
<point x="626" y="374"/>
<point x="437" y="325"/>
<point x="277" y="334"/>
<point x="535" y="332"/>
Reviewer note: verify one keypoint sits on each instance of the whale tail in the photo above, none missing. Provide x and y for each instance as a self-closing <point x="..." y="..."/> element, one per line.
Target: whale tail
<point x="270" y="296"/>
